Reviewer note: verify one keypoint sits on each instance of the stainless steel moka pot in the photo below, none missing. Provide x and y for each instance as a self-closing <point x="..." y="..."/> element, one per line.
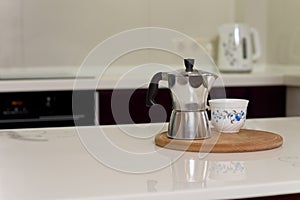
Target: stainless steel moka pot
<point x="189" y="89"/>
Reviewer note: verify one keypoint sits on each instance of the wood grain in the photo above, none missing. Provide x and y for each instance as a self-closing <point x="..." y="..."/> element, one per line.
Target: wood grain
<point x="246" y="140"/>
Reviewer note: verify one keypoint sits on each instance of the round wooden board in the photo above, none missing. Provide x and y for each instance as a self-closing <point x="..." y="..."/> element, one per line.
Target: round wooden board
<point x="244" y="141"/>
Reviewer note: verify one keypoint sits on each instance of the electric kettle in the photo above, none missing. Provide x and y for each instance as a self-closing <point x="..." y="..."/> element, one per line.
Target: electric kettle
<point x="189" y="90"/>
<point x="239" y="47"/>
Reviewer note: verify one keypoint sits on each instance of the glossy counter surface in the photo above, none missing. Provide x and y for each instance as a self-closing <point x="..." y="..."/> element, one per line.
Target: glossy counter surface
<point x="122" y="162"/>
<point x="124" y="77"/>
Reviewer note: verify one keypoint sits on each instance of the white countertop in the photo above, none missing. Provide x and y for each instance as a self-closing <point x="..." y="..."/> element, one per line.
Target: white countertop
<point x="53" y="163"/>
<point x="124" y="77"/>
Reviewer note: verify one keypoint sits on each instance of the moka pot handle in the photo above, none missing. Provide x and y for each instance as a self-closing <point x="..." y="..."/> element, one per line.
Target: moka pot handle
<point x="153" y="89"/>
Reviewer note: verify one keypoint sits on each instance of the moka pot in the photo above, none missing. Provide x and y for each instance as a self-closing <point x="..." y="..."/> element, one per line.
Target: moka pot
<point x="189" y="90"/>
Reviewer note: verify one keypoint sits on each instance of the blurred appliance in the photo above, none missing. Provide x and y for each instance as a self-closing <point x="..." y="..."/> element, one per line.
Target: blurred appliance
<point x="47" y="109"/>
<point x="239" y="46"/>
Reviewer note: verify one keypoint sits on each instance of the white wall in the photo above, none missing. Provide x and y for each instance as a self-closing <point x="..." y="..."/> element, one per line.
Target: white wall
<point x="284" y="31"/>
<point x="11" y="41"/>
<point x="62" y="32"/>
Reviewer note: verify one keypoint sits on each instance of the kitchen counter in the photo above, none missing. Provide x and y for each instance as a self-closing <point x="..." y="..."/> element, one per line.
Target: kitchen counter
<point x="91" y="78"/>
<point x="122" y="162"/>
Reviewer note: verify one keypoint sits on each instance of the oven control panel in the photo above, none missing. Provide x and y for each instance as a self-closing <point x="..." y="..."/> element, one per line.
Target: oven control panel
<point x="47" y="109"/>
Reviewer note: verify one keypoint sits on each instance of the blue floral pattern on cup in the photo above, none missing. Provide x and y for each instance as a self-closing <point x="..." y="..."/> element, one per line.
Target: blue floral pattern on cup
<point x="233" y="116"/>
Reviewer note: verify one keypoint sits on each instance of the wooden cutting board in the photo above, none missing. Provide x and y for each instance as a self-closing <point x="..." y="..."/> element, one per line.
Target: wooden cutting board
<point x="244" y="141"/>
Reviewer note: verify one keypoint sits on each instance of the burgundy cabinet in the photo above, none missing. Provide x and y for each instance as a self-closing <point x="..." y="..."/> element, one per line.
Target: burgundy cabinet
<point x="126" y="106"/>
<point x="264" y="101"/>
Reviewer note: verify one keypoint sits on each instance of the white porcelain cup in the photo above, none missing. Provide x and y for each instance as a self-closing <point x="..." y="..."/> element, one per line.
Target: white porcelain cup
<point x="228" y="115"/>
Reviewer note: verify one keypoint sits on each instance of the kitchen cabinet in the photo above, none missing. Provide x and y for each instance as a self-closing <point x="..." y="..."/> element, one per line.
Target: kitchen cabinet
<point x="264" y="101"/>
<point x="125" y="106"/>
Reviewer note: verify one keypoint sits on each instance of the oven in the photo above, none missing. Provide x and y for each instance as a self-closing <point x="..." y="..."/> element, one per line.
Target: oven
<point x="48" y="109"/>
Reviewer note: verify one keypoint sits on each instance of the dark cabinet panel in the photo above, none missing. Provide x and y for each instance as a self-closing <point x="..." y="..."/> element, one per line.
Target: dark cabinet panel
<point x="125" y="106"/>
<point x="264" y="101"/>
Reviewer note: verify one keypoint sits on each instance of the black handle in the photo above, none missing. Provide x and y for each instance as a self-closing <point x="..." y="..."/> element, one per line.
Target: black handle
<point x="153" y="89"/>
